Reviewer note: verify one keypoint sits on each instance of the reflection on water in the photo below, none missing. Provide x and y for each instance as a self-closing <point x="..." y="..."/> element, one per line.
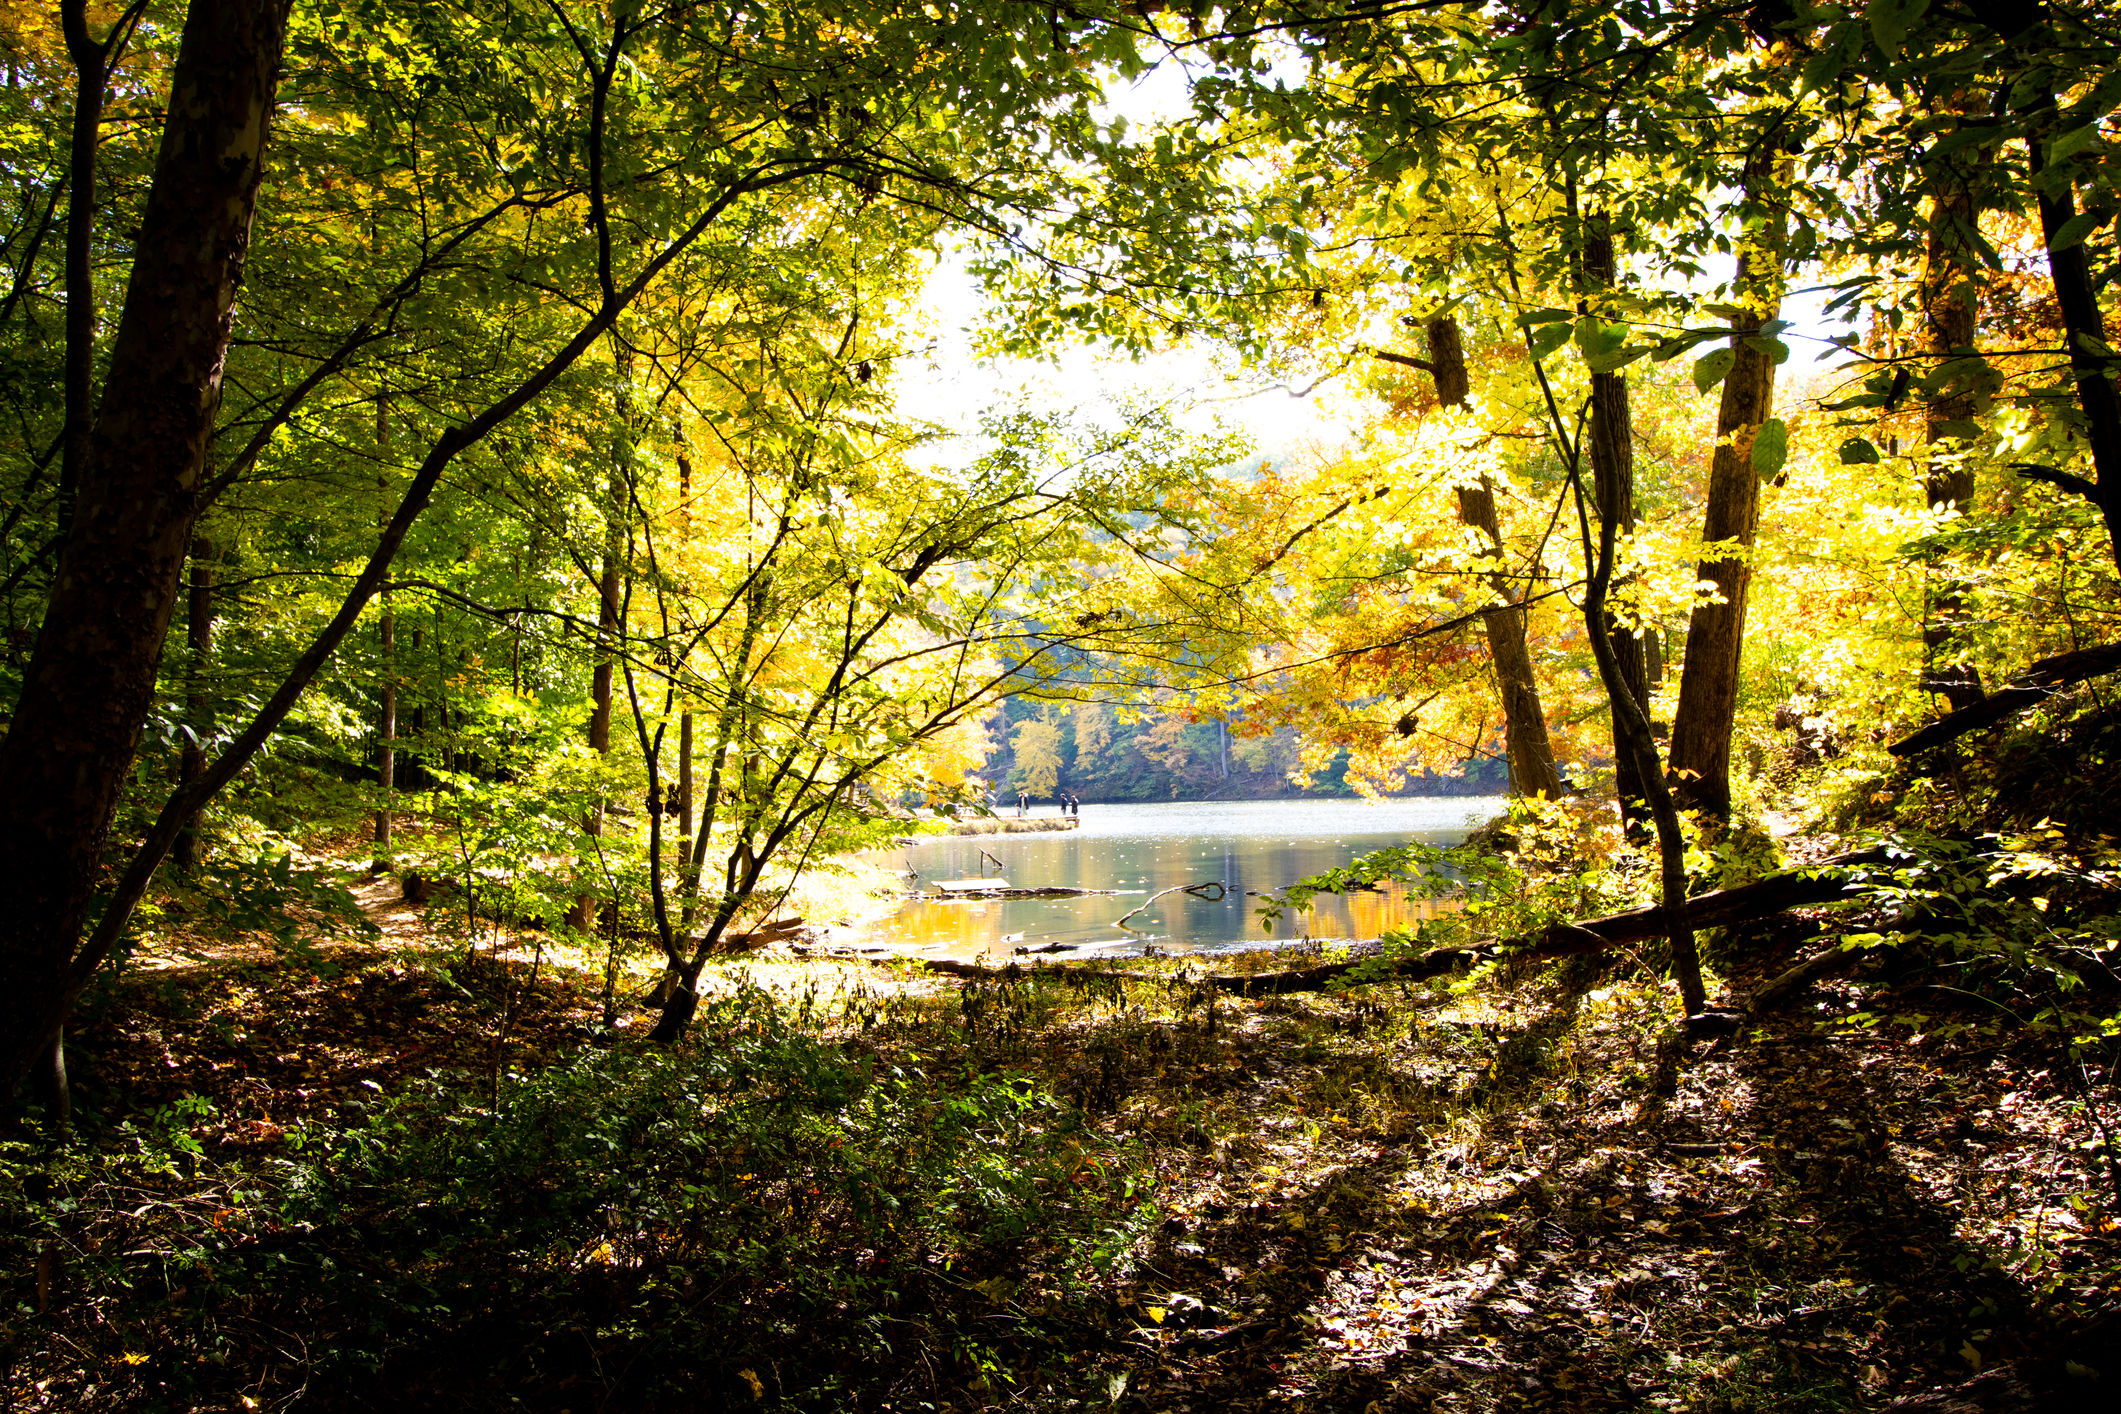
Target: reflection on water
<point x="1260" y="845"/>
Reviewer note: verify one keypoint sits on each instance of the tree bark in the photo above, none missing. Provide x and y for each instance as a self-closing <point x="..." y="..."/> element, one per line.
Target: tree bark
<point x="93" y="61"/>
<point x="387" y="730"/>
<point x="387" y="726"/>
<point x="1715" y="640"/>
<point x="198" y="708"/>
<point x="684" y="792"/>
<point x="1611" y="442"/>
<point x="69" y="749"/>
<point x="1948" y="307"/>
<point x="1634" y="740"/>
<point x="1532" y="770"/>
<point x="600" y="676"/>
<point x="2085" y="329"/>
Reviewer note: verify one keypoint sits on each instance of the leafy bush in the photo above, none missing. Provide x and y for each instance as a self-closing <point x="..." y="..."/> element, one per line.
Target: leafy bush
<point x="760" y="1200"/>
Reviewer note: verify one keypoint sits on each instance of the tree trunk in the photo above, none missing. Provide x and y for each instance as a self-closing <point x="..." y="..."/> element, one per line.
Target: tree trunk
<point x="1708" y="678"/>
<point x="387" y="754"/>
<point x="387" y="728"/>
<point x="1948" y="305"/>
<point x="1532" y="770"/>
<point x="1633" y="739"/>
<point x="93" y="62"/>
<point x="2085" y="328"/>
<point x="1611" y="443"/>
<point x="684" y="791"/>
<point x="198" y="710"/>
<point x="600" y="677"/>
<point x="84" y="699"/>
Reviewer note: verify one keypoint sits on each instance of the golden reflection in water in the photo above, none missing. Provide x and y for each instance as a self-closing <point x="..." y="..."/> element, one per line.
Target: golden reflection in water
<point x="1139" y="851"/>
<point x="992" y="926"/>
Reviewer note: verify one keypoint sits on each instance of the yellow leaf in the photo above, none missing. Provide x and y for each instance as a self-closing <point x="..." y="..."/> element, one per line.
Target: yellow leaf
<point x="131" y="1359"/>
<point x="1156" y="1313"/>
<point x="758" y="1386"/>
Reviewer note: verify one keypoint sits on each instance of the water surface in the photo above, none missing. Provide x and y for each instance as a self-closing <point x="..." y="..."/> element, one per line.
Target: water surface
<point x="1255" y="845"/>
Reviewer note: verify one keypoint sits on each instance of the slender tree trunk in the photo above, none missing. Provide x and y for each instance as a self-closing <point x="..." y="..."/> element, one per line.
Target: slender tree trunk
<point x="684" y="790"/>
<point x="198" y="710"/>
<point x="387" y="728"/>
<point x="600" y="677"/>
<point x="1611" y="444"/>
<point x="1532" y="770"/>
<point x="387" y="754"/>
<point x="70" y="746"/>
<point x="1709" y="676"/>
<point x="1948" y="295"/>
<point x="92" y="61"/>
<point x="1634" y="739"/>
<point x="2085" y="328"/>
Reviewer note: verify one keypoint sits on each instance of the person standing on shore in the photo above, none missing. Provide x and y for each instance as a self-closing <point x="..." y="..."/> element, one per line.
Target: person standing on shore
<point x="1023" y="805"/>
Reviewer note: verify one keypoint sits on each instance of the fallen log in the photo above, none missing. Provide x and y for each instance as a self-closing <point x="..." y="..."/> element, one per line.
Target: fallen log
<point x="2030" y="688"/>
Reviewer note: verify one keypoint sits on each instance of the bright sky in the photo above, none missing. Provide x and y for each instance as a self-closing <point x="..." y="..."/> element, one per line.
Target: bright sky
<point x="953" y="386"/>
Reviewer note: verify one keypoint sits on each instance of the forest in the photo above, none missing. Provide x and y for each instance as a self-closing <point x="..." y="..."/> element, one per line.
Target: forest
<point x="489" y="571"/>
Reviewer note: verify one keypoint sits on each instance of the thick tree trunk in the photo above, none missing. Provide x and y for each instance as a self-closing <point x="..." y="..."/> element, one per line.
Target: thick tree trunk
<point x="1715" y="640"/>
<point x="1611" y="442"/>
<point x="70" y="747"/>
<point x="198" y="709"/>
<point x="1532" y="770"/>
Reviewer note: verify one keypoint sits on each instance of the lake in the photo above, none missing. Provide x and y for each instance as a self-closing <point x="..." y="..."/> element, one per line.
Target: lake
<point x="1261" y="845"/>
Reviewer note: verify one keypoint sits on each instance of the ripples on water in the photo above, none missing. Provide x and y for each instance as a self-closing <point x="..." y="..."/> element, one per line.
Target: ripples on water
<point x="1260" y="845"/>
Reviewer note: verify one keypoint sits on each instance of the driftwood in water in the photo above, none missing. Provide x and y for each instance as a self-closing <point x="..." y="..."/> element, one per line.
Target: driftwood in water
<point x="2030" y="688"/>
<point x="972" y="889"/>
<point x="1746" y="903"/>
<point x="780" y="930"/>
<point x="1197" y="890"/>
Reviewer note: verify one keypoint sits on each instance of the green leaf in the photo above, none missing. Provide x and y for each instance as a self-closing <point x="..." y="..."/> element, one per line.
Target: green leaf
<point x="1711" y="367"/>
<point x="1549" y="338"/>
<point x="1857" y="451"/>
<point x="1776" y="350"/>
<point x="1890" y="22"/>
<point x="1771" y="449"/>
<point x="2073" y="142"/>
<point x="2075" y="230"/>
<point x="1601" y="343"/>
<point x="1543" y="316"/>
<point x="1961" y="136"/>
<point x="1679" y="343"/>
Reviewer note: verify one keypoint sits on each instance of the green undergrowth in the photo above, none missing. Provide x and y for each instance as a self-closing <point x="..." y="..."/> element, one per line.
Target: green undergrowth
<point x="857" y="1187"/>
<point x="770" y="1202"/>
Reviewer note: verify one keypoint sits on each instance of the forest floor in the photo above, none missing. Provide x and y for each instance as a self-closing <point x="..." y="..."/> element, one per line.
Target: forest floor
<point x="1515" y="1195"/>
